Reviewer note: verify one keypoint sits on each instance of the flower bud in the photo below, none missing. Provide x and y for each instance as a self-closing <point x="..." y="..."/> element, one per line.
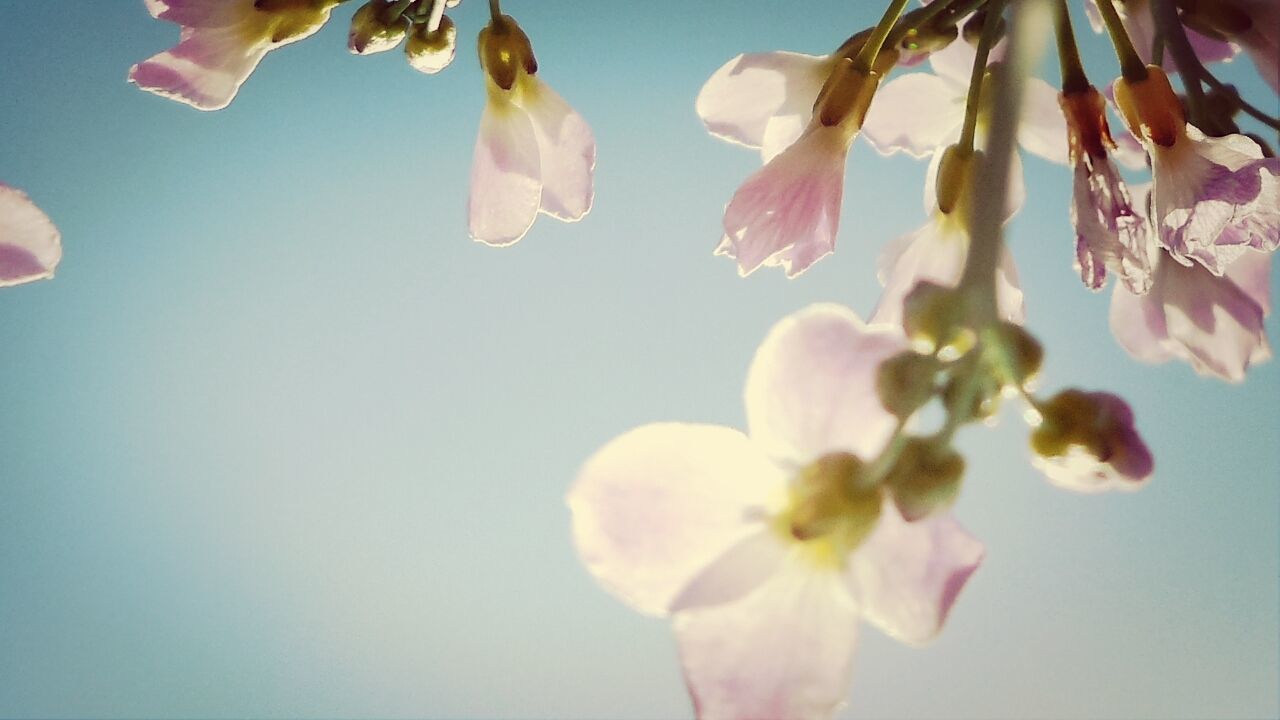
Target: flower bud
<point x="827" y="503"/>
<point x="973" y="28"/>
<point x="925" y="479"/>
<point x="846" y="95"/>
<point x="431" y="51"/>
<point x="967" y="404"/>
<point x="905" y="382"/>
<point x="928" y="39"/>
<point x="1151" y="108"/>
<point x="955" y="176"/>
<point x="371" y="32"/>
<point x="1022" y="353"/>
<point x="1087" y="441"/>
<point x="1087" y="129"/>
<point x="934" y="320"/>
<point x="505" y="52"/>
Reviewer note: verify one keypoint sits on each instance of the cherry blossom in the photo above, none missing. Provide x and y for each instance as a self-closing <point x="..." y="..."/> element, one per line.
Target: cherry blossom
<point x="758" y="545"/>
<point x="221" y="44"/>
<point x="30" y="246"/>
<point x="534" y="153"/>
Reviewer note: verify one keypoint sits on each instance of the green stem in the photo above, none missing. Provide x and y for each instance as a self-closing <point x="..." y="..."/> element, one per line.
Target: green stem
<point x="1131" y="66"/>
<point x="866" y="58"/>
<point x="1165" y="15"/>
<point x="973" y="105"/>
<point x="1074" y="79"/>
<point x="920" y="17"/>
<point x="495" y="9"/>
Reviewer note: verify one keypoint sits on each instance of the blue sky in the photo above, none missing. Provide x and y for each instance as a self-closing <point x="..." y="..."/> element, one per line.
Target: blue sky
<point x="279" y="440"/>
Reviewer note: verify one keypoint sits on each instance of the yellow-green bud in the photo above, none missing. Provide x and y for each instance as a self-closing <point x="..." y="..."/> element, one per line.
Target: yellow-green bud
<point x="431" y="51"/>
<point x="983" y="400"/>
<point x="934" y="320"/>
<point x="1022" y="352"/>
<point x="905" y="382"/>
<point x="928" y="39"/>
<point x="371" y="32"/>
<point x="505" y="52"/>
<point x="925" y="479"/>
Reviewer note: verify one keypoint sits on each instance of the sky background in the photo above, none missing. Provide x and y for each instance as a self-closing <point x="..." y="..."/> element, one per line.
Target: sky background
<point x="280" y="440"/>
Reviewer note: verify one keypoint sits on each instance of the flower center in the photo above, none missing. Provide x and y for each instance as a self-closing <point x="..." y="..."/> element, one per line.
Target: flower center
<point x="828" y="515"/>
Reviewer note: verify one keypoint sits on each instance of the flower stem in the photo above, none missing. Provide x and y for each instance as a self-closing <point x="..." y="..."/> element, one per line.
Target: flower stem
<point x="1074" y="79"/>
<point x="973" y="105"/>
<point x="866" y="58"/>
<point x="495" y="9"/>
<point x="920" y="17"/>
<point x="1131" y="66"/>
<point x="437" y="13"/>
<point x="1165" y="15"/>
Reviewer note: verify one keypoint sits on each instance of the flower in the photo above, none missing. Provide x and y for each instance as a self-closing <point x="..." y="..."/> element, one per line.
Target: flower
<point x="1140" y="25"/>
<point x="760" y="546"/>
<point x="936" y="251"/>
<point x="222" y="42"/>
<point x="1213" y="198"/>
<point x="1109" y="232"/>
<point x="1085" y="441"/>
<point x="919" y="112"/>
<point x="30" y="246"/>
<point x="533" y="154"/>
<point x="787" y="213"/>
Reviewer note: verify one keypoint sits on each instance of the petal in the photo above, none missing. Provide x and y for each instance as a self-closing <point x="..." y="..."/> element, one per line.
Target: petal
<point x="955" y="62"/>
<point x="906" y="576"/>
<point x="656" y="506"/>
<point x="783" y="652"/>
<point x="738" y="101"/>
<point x="205" y="70"/>
<point x="1215" y="324"/>
<point x="1017" y="188"/>
<point x="30" y="246"/>
<point x="1043" y="130"/>
<point x="781" y="133"/>
<point x="741" y="569"/>
<point x="200" y="13"/>
<point x="506" y="174"/>
<point x="787" y="213"/>
<point x="915" y="113"/>
<point x="934" y="252"/>
<point x="567" y="149"/>
<point x="1137" y="321"/>
<point x="811" y="387"/>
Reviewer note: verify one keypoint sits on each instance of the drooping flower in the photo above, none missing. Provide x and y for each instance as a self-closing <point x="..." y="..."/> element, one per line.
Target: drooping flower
<point x="762" y="547"/>
<point x="1086" y="441"/>
<point x="936" y="251"/>
<point x="1140" y="25"/>
<point x="1110" y="233"/>
<point x="1213" y="198"/>
<point x="30" y="245"/>
<point x="221" y="44"/>
<point x="534" y="153"/>
<point x="787" y="213"/>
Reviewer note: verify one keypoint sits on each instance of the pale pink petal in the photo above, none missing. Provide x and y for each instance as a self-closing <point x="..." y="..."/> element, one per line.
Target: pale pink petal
<point x="738" y="101"/>
<point x="1137" y="321"/>
<point x="30" y="245"/>
<point x="658" y="505"/>
<point x="1111" y="231"/>
<point x="200" y="13"/>
<point x="781" y="133"/>
<point x="811" y="387"/>
<point x="1262" y="41"/>
<point x="787" y="213"/>
<point x="1043" y="129"/>
<point x="567" y="150"/>
<point x="1136" y="17"/>
<point x="906" y="576"/>
<point x="915" y="113"/>
<point x="741" y="569"/>
<point x="955" y="62"/>
<point x="506" y="174"/>
<point x="783" y="652"/>
<point x="205" y="70"/>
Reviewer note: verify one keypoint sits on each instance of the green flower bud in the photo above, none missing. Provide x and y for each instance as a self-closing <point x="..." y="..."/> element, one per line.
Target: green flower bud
<point x="371" y="32"/>
<point x="505" y="52"/>
<point x="934" y="320"/>
<point x="430" y="52"/>
<point x="1023" y="353"/>
<point x="925" y="479"/>
<point x="905" y="382"/>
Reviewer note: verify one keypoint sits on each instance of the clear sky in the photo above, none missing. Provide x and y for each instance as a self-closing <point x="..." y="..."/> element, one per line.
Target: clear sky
<point x="279" y="440"/>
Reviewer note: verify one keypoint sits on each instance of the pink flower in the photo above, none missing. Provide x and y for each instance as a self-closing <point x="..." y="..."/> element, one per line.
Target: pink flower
<point x="1086" y="442"/>
<point x="1138" y="22"/>
<point x="756" y="545"/>
<point x="534" y="153"/>
<point x="1213" y="198"/>
<point x="936" y="251"/>
<point x="1109" y="232"/>
<point x="30" y="246"/>
<point x="222" y="42"/>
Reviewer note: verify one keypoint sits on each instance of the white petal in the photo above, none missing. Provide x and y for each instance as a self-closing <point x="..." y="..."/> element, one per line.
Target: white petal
<point x="506" y="174"/>
<point x="1043" y="130"/>
<point x="567" y="150"/>
<point x="30" y="245"/>
<point x="654" y="508"/>
<point x="746" y="92"/>
<point x="205" y="70"/>
<point x="914" y="113"/>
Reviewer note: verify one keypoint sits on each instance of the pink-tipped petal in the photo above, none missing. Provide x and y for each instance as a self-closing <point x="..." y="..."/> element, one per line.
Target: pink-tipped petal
<point x="916" y="114"/>
<point x="741" y="97"/>
<point x="205" y="70"/>
<point x="783" y="652"/>
<point x="30" y="245"/>
<point x="787" y="213"/>
<point x="567" y="150"/>
<point x="658" y="505"/>
<point x="200" y="13"/>
<point x="906" y="576"/>
<point x="811" y="387"/>
<point x="506" y="174"/>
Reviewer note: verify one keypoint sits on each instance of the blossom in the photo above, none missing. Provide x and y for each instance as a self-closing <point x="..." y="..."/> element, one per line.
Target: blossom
<point x="1109" y="232"/>
<point x="787" y="213"/>
<point x="533" y="154"/>
<point x="1140" y="25"/>
<point x="917" y="113"/>
<point x="30" y="246"/>
<point x="1213" y="197"/>
<point x="1086" y="441"/>
<point x="936" y="251"/>
<point x="222" y="42"/>
<point x="758" y="545"/>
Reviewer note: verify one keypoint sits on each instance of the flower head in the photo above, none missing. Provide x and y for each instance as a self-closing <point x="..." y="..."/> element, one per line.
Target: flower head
<point x="534" y="153"/>
<point x="765" y="548"/>
<point x="30" y="246"/>
<point x="222" y="43"/>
